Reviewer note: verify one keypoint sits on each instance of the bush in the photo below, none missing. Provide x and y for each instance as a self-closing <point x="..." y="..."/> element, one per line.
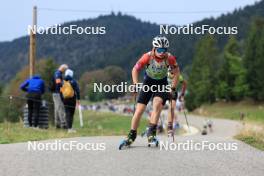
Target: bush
<point x="12" y="109"/>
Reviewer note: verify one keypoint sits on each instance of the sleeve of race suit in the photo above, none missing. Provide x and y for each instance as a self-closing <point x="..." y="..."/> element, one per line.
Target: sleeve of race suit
<point x="142" y="62"/>
<point x="172" y="60"/>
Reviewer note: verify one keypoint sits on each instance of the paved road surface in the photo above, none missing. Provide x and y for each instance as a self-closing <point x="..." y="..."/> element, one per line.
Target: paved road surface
<point x="138" y="160"/>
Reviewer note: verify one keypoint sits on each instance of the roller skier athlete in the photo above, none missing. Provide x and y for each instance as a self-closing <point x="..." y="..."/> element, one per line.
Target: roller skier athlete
<point x="156" y="64"/>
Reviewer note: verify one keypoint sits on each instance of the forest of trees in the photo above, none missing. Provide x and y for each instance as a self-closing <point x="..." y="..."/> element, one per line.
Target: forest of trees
<point x="125" y="40"/>
<point x="111" y="75"/>
<point x="231" y="75"/>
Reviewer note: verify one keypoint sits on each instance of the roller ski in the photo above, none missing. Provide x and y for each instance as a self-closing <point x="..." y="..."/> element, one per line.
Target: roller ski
<point x="128" y="141"/>
<point x="124" y="143"/>
<point x="170" y="132"/>
<point x="171" y="135"/>
<point x="152" y="138"/>
<point x="210" y="125"/>
<point x="204" y="131"/>
<point x="153" y="141"/>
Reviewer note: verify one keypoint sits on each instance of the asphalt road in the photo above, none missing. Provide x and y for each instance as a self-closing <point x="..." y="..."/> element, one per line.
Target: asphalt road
<point x="240" y="159"/>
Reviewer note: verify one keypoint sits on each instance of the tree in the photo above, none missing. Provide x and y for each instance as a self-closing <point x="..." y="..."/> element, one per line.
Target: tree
<point x="231" y="78"/>
<point x="46" y="69"/>
<point x="1" y="89"/>
<point x="111" y="75"/>
<point x="202" y="79"/>
<point x="254" y="60"/>
<point x="11" y="109"/>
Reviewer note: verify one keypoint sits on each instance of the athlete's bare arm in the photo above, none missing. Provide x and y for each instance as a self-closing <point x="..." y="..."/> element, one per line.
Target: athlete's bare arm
<point x="139" y="65"/>
<point x="176" y="74"/>
<point x="135" y="75"/>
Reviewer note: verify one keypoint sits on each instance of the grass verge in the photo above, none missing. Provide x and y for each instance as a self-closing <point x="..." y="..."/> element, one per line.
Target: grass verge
<point x="253" y="128"/>
<point x="95" y="124"/>
<point x="252" y="134"/>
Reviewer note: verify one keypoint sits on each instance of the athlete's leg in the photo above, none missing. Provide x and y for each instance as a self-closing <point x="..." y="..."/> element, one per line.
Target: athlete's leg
<point x="172" y="115"/>
<point x="157" y="108"/>
<point x="140" y="108"/>
<point x="132" y="135"/>
<point x="142" y="102"/>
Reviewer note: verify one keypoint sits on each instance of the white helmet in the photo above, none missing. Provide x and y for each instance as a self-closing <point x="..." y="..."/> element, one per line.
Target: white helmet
<point x="160" y="42"/>
<point x="69" y="73"/>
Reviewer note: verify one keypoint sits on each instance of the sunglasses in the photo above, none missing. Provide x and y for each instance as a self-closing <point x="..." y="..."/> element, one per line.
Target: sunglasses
<point x="162" y="50"/>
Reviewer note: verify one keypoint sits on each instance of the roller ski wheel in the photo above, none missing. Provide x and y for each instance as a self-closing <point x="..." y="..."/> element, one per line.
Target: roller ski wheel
<point x="204" y="132"/>
<point x="171" y="136"/>
<point x="124" y="143"/>
<point x="153" y="141"/>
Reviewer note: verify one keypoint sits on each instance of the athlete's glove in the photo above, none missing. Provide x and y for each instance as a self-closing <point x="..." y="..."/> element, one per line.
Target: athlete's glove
<point x="136" y="88"/>
<point x="181" y="97"/>
<point x="172" y="92"/>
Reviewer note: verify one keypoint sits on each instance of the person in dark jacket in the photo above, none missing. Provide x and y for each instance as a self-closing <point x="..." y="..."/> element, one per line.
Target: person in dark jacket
<point x="59" y="110"/>
<point x="70" y="103"/>
<point x="34" y="87"/>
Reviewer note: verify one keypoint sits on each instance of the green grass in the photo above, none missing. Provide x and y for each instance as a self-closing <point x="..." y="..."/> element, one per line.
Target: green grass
<point x="87" y="102"/>
<point x="95" y="124"/>
<point x="252" y="140"/>
<point x="254" y="112"/>
<point x="253" y="129"/>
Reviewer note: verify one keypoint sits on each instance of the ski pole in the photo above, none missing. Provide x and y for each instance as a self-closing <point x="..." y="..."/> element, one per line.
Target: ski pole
<point x="171" y="110"/>
<point x="186" y="119"/>
<point x="172" y="116"/>
<point x="80" y="115"/>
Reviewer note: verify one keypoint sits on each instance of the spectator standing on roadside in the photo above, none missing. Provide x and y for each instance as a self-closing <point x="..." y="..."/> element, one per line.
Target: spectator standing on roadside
<point x="59" y="110"/>
<point x="71" y="97"/>
<point x="34" y="87"/>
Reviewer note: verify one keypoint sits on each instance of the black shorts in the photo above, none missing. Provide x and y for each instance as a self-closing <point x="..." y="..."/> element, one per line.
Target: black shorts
<point x="145" y="96"/>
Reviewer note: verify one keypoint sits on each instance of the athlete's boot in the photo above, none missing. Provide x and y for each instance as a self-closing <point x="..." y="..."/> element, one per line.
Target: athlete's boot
<point x="204" y="131"/>
<point x="129" y="139"/>
<point x="152" y="135"/>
